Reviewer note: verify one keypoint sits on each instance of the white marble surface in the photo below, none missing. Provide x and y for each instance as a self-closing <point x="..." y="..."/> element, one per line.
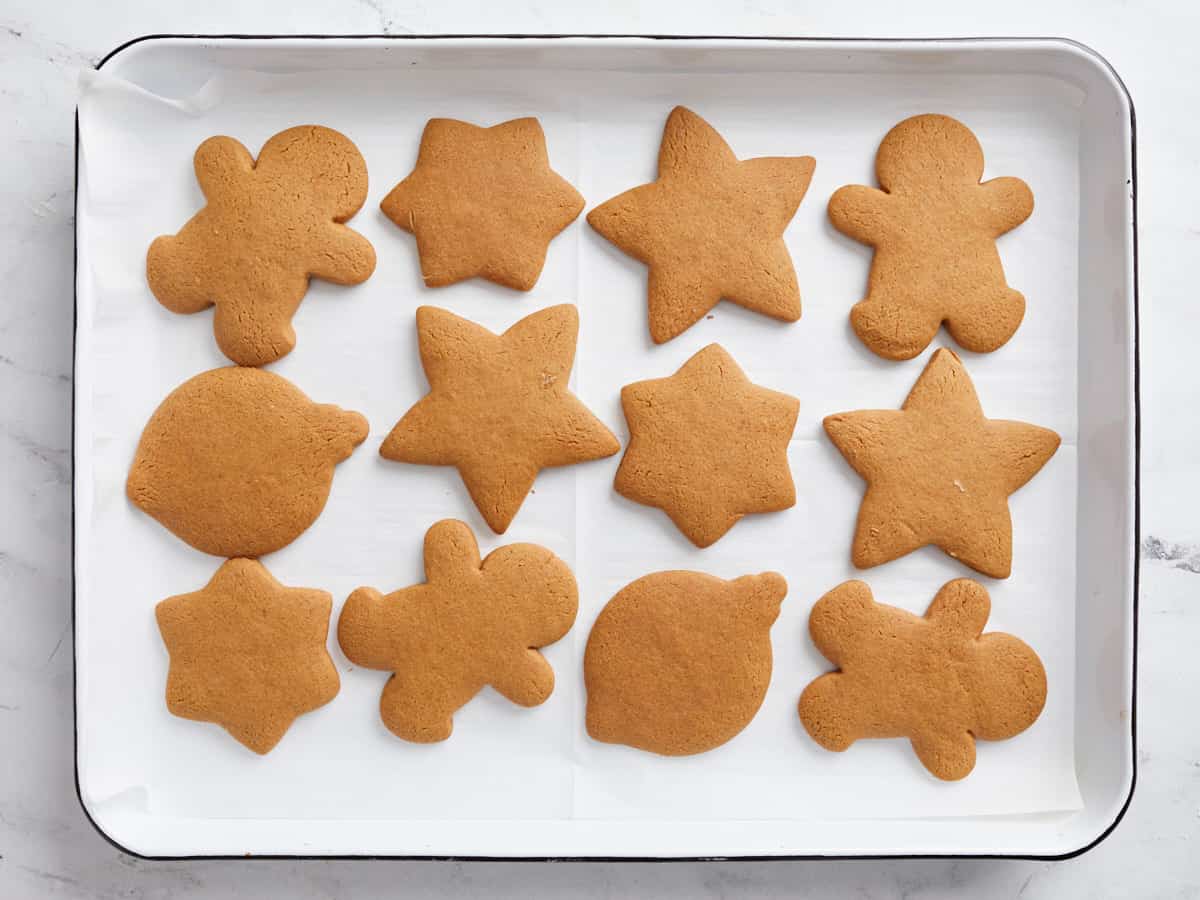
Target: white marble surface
<point x="47" y="847"/>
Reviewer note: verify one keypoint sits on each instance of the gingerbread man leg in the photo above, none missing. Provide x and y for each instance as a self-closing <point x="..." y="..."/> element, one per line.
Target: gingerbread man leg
<point x="419" y="705"/>
<point x="829" y="714"/>
<point x="986" y="322"/>
<point x="893" y="325"/>
<point x="256" y="328"/>
<point x="948" y="755"/>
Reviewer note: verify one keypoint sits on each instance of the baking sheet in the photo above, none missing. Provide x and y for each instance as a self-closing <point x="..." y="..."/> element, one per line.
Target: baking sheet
<point x="357" y="348"/>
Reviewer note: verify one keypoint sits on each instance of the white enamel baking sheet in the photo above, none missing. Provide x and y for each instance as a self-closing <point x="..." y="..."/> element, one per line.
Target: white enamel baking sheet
<point x="514" y="782"/>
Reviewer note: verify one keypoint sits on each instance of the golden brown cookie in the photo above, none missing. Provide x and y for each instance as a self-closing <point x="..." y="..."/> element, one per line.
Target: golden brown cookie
<point x="470" y="624"/>
<point x="678" y="662"/>
<point x="498" y="407"/>
<point x="707" y="446"/>
<point x="938" y="472"/>
<point x="936" y="680"/>
<point x="248" y="653"/>
<point x="934" y="229"/>
<point x="710" y="228"/>
<point x="268" y="226"/>
<point x="238" y="461"/>
<point x="483" y="202"/>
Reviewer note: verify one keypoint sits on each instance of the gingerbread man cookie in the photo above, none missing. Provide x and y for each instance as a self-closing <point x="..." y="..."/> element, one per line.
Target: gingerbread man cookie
<point x="483" y="202"/>
<point x="938" y="472"/>
<point x="707" y="446"/>
<point x="498" y="407"/>
<point x="936" y="680"/>
<point x="248" y="653"/>
<point x="709" y="228"/>
<point x="934" y="227"/>
<point x="239" y="462"/>
<point x="679" y="662"/>
<point x="470" y="624"/>
<point x="269" y="225"/>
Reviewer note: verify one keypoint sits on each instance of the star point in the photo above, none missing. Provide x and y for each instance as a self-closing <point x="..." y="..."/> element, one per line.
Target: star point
<point x="248" y="653"/>
<point x="707" y="446"/>
<point x="938" y="472"/>
<point x="709" y="228"/>
<point x="499" y="408"/>
<point x="483" y="202"/>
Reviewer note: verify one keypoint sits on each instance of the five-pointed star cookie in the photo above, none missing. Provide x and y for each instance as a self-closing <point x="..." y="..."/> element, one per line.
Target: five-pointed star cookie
<point x="248" y="653"/>
<point x="498" y="407"/>
<point x="706" y="446"/>
<point x="938" y="472"/>
<point x="483" y="202"/>
<point x="709" y="228"/>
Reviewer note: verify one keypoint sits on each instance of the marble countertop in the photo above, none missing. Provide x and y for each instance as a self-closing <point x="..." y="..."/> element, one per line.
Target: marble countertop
<point x="48" y="848"/>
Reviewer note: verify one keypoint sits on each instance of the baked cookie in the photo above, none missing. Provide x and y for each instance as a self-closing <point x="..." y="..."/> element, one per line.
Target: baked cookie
<point x="938" y="472"/>
<point x="238" y="461"/>
<point x="707" y="446"/>
<point x="469" y="625"/>
<point x="498" y="407"/>
<point x="710" y="228"/>
<point x="934" y="229"/>
<point x="483" y="202"/>
<point x="268" y="226"/>
<point x="248" y="653"/>
<point x="678" y="662"/>
<point x="936" y="680"/>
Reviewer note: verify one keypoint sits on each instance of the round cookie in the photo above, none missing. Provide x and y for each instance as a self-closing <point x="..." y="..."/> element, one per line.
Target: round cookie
<point x="678" y="663"/>
<point x="239" y="462"/>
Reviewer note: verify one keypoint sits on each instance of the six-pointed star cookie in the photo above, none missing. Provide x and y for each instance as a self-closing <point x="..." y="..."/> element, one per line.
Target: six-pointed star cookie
<point x="709" y="228"/>
<point x="706" y="446"/>
<point x="483" y="202"/>
<point x="248" y="653"/>
<point x="498" y="407"/>
<point x="938" y="472"/>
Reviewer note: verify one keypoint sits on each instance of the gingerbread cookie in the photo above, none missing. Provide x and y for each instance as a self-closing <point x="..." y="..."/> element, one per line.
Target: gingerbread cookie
<point x="483" y="202"/>
<point x="678" y="662"/>
<point x="498" y="407"/>
<point x="707" y="446"/>
<point x="268" y="226"/>
<point x="238" y="461"/>
<point x="936" y="680"/>
<point x="248" y="653"/>
<point x="469" y="625"/>
<point x="934" y="227"/>
<point x="938" y="472"/>
<point x="710" y="228"/>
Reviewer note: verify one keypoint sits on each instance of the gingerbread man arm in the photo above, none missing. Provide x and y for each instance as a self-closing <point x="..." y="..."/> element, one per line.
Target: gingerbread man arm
<point x="451" y="551"/>
<point x="861" y="212"/>
<point x="1005" y="203"/>
<point x="528" y="680"/>
<point x="962" y="605"/>
<point x="220" y="162"/>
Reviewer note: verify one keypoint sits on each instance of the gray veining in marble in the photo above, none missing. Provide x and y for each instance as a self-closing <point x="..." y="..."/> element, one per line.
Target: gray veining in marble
<point x="47" y="847"/>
